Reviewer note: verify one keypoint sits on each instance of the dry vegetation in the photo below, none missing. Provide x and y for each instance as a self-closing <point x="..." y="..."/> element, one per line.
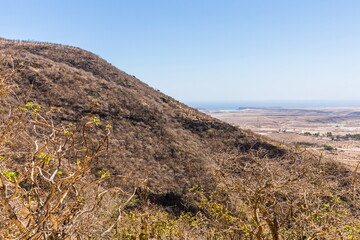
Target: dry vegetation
<point x="47" y="190"/>
<point x="61" y="179"/>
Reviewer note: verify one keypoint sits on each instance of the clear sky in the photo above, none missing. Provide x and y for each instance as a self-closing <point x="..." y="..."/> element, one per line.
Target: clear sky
<point x="209" y="50"/>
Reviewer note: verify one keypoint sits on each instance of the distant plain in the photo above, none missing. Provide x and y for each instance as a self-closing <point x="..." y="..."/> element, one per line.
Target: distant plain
<point x="312" y="128"/>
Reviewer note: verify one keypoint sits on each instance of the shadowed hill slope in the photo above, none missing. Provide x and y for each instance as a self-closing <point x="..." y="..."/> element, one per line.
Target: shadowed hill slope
<point x="161" y="139"/>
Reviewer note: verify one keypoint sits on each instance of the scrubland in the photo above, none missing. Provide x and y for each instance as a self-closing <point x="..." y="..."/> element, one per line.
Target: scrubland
<point x="155" y="170"/>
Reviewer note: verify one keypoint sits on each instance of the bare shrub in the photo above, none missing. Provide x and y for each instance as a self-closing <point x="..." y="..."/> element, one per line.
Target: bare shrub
<point x="47" y="185"/>
<point x="295" y="197"/>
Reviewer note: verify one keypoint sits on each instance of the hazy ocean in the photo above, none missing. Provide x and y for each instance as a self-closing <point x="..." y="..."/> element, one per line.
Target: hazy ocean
<point x="234" y="106"/>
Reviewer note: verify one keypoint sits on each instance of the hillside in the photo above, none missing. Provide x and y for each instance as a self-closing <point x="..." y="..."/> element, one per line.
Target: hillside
<point x="162" y="139"/>
<point x="248" y="186"/>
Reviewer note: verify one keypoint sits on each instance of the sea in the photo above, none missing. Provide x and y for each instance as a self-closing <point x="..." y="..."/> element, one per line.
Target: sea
<point x="240" y="105"/>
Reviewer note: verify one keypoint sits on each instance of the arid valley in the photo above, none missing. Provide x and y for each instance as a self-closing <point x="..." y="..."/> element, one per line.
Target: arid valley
<point x="332" y="132"/>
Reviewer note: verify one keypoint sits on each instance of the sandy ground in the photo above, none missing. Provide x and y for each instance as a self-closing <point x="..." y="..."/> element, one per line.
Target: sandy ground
<point x="292" y="125"/>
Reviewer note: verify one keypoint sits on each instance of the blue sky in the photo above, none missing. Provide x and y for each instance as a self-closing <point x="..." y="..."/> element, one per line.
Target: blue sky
<point x="209" y="50"/>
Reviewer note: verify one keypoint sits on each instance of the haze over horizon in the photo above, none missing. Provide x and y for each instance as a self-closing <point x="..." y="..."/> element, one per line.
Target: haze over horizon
<point x="210" y="51"/>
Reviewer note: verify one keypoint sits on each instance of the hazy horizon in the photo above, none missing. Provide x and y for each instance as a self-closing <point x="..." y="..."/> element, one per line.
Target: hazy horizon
<point x="235" y="105"/>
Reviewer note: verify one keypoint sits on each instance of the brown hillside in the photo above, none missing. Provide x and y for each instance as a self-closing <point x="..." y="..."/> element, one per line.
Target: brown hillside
<point x="243" y="186"/>
<point x="161" y="139"/>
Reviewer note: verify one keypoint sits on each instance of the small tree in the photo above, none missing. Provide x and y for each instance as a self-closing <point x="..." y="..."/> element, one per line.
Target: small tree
<point x="47" y="185"/>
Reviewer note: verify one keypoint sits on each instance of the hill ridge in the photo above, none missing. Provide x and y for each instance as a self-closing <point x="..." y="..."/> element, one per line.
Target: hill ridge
<point x="160" y="135"/>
